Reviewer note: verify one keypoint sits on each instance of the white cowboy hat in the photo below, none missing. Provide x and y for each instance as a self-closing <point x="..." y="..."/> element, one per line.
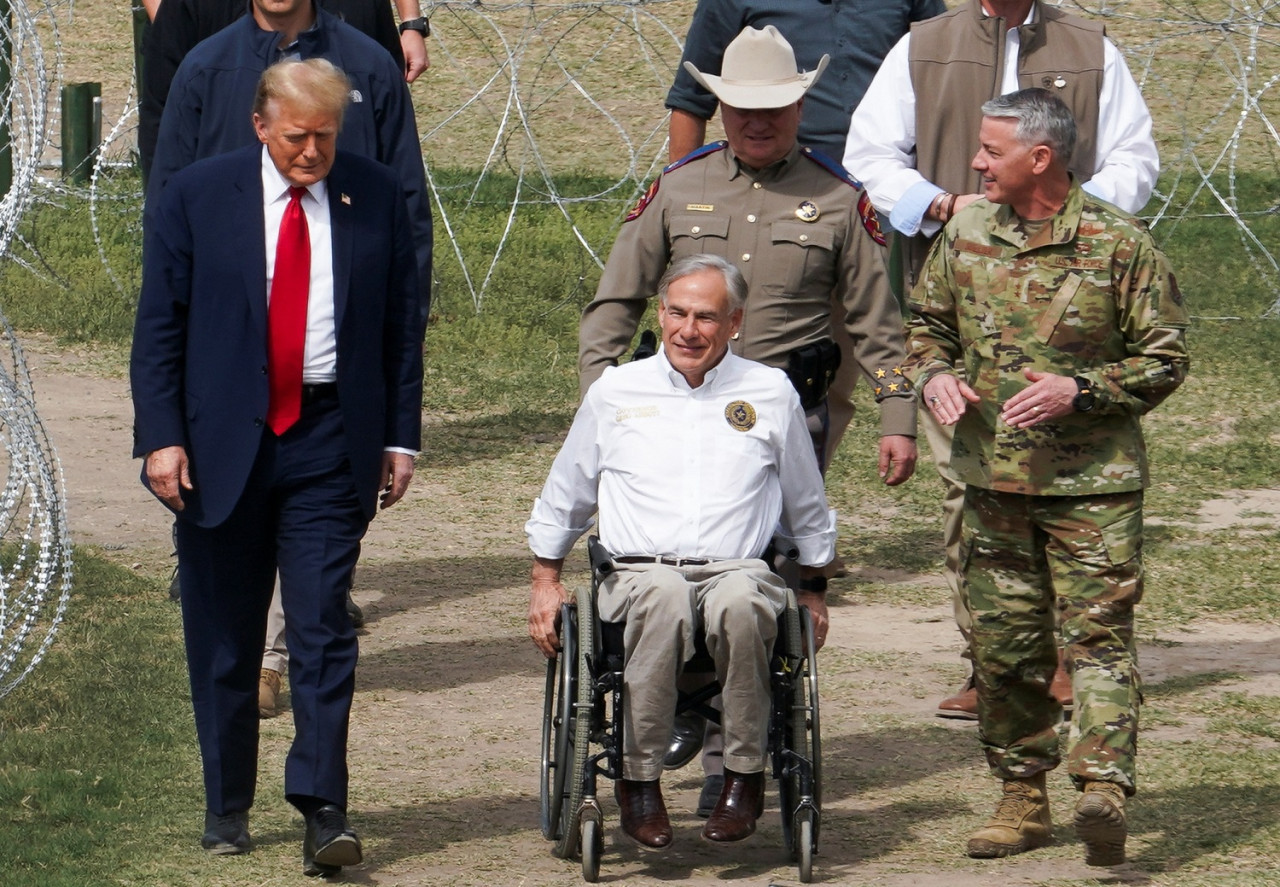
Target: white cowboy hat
<point x="759" y="71"/>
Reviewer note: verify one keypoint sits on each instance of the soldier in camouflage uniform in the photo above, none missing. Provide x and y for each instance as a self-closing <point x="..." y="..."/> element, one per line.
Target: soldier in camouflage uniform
<point x="1070" y="327"/>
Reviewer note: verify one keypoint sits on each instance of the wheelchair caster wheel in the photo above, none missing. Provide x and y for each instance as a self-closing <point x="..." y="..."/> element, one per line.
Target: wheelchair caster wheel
<point x="592" y="847"/>
<point x="804" y="848"/>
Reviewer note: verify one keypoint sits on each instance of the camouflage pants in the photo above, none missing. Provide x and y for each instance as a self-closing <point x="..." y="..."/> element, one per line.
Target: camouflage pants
<point x="1024" y="555"/>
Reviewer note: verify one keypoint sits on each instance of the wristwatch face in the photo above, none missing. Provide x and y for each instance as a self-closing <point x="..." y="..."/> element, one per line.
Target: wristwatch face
<point x="1084" y="401"/>
<point x="421" y="25"/>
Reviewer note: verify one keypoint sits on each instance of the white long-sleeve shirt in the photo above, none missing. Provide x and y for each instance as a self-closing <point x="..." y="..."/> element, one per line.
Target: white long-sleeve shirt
<point x="880" y="150"/>
<point x="714" y="471"/>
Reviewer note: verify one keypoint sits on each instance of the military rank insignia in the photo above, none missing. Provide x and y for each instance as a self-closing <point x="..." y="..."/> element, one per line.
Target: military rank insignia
<point x="644" y="201"/>
<point x="740" y="415"/>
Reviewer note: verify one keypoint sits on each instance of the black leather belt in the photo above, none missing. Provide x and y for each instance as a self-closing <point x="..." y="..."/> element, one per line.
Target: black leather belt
<point x="665" y="561"/>
<point x="323" y="391"/>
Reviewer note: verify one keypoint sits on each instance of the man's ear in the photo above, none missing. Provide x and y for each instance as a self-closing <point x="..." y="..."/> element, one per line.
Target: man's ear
<point x="1041" y="158"/>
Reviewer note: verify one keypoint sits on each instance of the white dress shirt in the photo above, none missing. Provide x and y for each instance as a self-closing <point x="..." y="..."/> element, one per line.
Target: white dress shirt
<point x="320" y="356"/>
<point x="880" y="151"/>
<point x="714" y="471"/>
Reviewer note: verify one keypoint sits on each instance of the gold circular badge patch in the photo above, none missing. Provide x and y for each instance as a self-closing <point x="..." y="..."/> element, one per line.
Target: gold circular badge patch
<point x="740" y="415"/>
<point x="808" y="211"/>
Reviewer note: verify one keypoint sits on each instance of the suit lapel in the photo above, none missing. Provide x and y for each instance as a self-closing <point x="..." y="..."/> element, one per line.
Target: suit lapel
<point x="342" y="222"/>
<point x="249" y="238"/>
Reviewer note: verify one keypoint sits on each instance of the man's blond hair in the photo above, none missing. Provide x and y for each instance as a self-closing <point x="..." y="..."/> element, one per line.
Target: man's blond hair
<point x="315" y="85"/>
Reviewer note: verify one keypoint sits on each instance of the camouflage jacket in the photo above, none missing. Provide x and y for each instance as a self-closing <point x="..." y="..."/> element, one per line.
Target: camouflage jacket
<point x="1089" y="295"/>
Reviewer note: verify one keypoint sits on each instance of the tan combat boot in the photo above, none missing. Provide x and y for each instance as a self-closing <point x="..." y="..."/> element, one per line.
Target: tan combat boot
<point x="1021" y="821"/>
<point x="268" y="692"/>
<point x="1100" y="823"/>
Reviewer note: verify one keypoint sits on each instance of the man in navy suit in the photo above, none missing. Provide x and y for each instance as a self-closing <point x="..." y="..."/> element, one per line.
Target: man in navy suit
<point x="268" y="465"/>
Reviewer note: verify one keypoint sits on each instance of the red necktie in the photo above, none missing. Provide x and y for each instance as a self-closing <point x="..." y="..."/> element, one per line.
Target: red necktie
<point x="287" y="316"/>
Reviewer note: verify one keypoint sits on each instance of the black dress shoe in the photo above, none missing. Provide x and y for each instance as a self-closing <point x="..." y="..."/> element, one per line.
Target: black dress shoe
<point x="226" y="835"/>
<point x="686" y="740"/>
<point x="643" y="813"/>
<point x="354" y="611"/>
<point x="330" y="842"/>
<point x="740" y="805"/>
<point x="710" y="796"/>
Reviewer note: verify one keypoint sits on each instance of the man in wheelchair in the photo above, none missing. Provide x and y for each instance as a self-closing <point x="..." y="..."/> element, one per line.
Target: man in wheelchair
<point x="695" y="460"/>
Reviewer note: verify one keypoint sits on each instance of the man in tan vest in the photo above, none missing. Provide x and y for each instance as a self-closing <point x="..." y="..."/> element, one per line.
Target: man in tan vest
<point x="913" y="158"/>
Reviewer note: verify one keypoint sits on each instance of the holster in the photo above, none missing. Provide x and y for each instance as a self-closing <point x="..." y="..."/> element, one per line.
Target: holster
<point x="811" y="369"/>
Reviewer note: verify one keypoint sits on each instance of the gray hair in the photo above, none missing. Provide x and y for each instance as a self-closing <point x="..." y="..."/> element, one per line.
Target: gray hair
<point x="315" y="85"/>
<point x="1043" y="119"/>
<point x="734" y="283"/>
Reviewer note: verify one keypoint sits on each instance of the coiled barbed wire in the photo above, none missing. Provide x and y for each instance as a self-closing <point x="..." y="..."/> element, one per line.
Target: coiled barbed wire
<point x="35" y="545"/>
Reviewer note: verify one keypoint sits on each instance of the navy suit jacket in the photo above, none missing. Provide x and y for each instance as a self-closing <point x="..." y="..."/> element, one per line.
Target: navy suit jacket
<point x="199" y="361"/>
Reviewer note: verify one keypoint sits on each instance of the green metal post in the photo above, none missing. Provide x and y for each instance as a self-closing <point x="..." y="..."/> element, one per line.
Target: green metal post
<point x="141" y="26"/>
<point x="79" y="139"/>
<point x="6" y="73"/>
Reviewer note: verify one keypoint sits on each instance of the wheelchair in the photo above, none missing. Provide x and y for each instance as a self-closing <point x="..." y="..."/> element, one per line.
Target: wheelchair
<point x="582" y="727"/>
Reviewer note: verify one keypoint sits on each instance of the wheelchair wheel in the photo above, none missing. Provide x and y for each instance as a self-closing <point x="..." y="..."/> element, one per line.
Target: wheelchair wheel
<point x="564" y="733"/>
<point x="805" y="843"/>
<point x="592" y="847"/>
<point x="800" y="780"/>
<point x="557" y="715"/>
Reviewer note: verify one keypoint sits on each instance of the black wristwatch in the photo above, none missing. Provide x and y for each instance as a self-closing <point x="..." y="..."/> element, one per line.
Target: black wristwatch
<point x="1085" y="399"/>
<point x="421" y="24"/>
<point x="815" y="585"/>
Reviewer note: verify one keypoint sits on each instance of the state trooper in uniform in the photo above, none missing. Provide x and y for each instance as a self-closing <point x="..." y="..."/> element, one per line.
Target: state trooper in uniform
<point x="1047" y="324"/>
<point x="796" y="225"/>
<point x="799" y="228"/>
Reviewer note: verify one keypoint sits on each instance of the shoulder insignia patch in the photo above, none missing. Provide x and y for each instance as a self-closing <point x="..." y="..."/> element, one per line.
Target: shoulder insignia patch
<point x="644" y="201"/>
<point x="870" y="218"/>
<point x="740" y="415"/>
<point x="831" y="166"/>
<point x="696" y="154"/>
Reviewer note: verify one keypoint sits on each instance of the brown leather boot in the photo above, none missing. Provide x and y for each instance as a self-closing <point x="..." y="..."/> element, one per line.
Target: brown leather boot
<point x="1060" y="687"/>
<point x="963" y="705"/>
<point x="268" y="692"/>
<point x="740" y="805"/>
<point x="643" y="812"/>
<point x="1021" y="821"/>
<point x="1100" y="823"/>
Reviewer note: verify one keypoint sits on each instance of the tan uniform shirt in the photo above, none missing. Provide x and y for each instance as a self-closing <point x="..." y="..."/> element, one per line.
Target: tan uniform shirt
<point x="795" y="231"/>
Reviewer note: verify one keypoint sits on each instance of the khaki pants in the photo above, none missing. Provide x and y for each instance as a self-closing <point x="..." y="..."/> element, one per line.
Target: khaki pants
<point x="275" y="654"/>
<point x="940" y="438"/>
<point x="736" y="604"/>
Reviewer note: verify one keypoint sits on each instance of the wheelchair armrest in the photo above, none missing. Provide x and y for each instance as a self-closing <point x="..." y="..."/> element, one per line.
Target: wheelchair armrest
<point x="601" y="558"/>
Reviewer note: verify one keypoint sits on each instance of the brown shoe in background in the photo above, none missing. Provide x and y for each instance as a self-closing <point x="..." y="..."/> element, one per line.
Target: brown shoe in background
<point x="268" y="692"/>
<point x="643" y="813"/>
<point x="1100" y="823"/>
<point x="1060" y="688"/>
<point x="1020" y="823"/>
<point x="740" y="805"/>
<point x="963" y="705"/>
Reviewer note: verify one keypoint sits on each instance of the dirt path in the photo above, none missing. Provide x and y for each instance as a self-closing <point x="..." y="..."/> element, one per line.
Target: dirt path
<point x="445" y="732"/>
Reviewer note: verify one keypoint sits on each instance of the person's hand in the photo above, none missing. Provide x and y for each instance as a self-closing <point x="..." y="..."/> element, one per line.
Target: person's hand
<point x="946" y="396"/>
<point x="414" y="47"/>
<point x="397" y="471"/>
<point x="897" y="458"/>
<point x="817" y="605"/>
<point x="168" y="474"/>
<point x="1048" y="397"/>
<point x="545" y="599"/>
